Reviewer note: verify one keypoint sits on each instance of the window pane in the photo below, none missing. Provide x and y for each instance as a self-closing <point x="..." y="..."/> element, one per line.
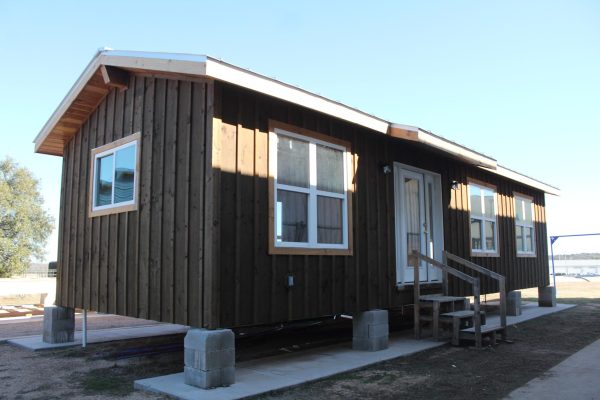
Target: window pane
<point x="519" y="209"/>
<point x="529" y="239"/>
<point x="476" y="234"/>
<point x="330" y="169"/>
<point x="329" y="220"/>
<point x="292" y="162"/>
<point x="528" y="216"/>
<point x="104" y="180"/>
<point x="520" y="241"/>
<point x="490" y="236"/>
<point x="488" y="201"/>
<point x="475" y="199"/>
<point x="292" y="216"/>
<point x="124" y="174"/>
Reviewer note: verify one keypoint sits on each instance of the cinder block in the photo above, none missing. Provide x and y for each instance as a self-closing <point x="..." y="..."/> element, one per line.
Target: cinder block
<point x="209" y="360"/>
<point x="209" y="340"/>
<point x="379" y="330"/>
<point x="373" y="344"/>
<point x="209" y="357"/>
<point x="59" y="325"/>
<point x="547" y="296"/>
<point x="370" y="330"/>
<point x="372" y="317"/>
<point x="513" y="303"/>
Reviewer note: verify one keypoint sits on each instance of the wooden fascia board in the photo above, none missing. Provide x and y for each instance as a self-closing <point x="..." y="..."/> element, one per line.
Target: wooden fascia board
<point x="115" y="77"/>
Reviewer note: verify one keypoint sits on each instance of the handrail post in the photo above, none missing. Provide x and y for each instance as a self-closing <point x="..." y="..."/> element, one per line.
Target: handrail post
<point x="414" y="260"/>
<point x="444" y="275"/>
<point x="502" y="288"/>
<point x="477" y="315"/>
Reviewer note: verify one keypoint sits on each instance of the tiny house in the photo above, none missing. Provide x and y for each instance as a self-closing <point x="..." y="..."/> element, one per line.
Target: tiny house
<point x="203" y="194"/>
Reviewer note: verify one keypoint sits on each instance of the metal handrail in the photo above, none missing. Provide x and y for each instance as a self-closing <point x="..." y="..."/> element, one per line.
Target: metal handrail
<point x="415" y="259"/>
<point x="491" y="274"/>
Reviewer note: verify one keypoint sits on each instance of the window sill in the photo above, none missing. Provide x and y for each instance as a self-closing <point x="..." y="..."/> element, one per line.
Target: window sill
<point x="113" y="210"/>
<point x="526" y="255"/>
<point x="309" y="251"/>
<point x="483" y="254"/>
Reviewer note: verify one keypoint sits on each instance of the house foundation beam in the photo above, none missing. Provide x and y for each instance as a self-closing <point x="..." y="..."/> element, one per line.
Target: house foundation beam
<point x="547" y="296"/>
<point x="209" y="357"/>
<point x="59" y="325"/>
<point x="370" y="330"/>
<point x="513" y="303"/>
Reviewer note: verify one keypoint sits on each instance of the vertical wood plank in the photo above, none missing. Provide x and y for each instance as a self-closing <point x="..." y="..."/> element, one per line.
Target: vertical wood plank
<point x="182" y="209"/>
<point x="196" y="206"/>
<point x="168" y="218"/>
<point x="81" y="275"/>
<point x="157" y="195"/>
<point x="134" y="124"/>
<point x="112" y="237"/>
<point x="74" y="237"/>
<point x="146" y="199"/>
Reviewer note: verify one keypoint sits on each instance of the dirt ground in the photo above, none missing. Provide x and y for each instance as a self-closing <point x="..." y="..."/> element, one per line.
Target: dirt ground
<point x="107" y="371"/>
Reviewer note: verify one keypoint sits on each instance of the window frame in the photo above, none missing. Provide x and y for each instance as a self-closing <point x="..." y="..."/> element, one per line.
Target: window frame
<point x="484" y="252"/>
<point x="520" y="196"/>
<point x="105" y="150"/>
<point x="311" y="247"/>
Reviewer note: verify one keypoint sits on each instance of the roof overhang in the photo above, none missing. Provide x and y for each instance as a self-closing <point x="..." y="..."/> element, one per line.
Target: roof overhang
<point x="419" y="135"/>
<point x="84" y="97"/>
<point x="525" y="180"/>
<point x="92" y="87"/>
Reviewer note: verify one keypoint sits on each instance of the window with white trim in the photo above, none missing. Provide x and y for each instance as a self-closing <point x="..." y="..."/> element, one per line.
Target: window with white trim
<point x="484" y="226"/>
<point x="524" y="225"/>
<point x="114" y="173"/>
<point x="310" y="192"/>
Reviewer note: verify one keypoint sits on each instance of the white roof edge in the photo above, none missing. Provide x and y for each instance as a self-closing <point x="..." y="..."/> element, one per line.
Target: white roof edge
<point x="209" y="67"/>
<point x="202" y="65"/>
<point x="241" y="77"/>
<point x="524" y="179"/>
<point x="438" y="142"/>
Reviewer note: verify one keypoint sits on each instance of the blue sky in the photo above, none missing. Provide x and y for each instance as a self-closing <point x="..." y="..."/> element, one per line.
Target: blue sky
<point x="519" y="81"/>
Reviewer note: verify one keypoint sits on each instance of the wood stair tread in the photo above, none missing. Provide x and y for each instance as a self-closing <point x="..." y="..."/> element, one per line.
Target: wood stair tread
<point x="459" y="314"/>
<point x="439" y="297"/>
<point x="484" y="329"/>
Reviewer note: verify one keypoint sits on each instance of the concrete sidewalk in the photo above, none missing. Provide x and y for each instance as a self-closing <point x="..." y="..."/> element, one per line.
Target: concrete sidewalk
<point x="577" y="377"/>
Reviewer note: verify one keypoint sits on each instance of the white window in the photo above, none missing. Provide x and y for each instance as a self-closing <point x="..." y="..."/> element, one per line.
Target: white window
<point x="484" y="226"/>
<point x="114" y="176"/>
<point x="525" y="232"/>
<point x="310" y="192"/>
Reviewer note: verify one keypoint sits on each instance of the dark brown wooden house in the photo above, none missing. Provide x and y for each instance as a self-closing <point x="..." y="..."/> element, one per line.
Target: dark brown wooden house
<point x="199" y="193"/>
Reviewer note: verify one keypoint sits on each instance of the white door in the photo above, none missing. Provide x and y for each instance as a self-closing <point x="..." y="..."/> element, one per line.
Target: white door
<point x="418" y="221"/>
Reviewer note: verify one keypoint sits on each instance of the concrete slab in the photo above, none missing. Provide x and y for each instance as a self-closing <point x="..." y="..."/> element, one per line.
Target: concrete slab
<point x="528" y="311"/>
<point x="102" y="335"/>
<point x="272" y="373"/>
<point x="574" y="378"/>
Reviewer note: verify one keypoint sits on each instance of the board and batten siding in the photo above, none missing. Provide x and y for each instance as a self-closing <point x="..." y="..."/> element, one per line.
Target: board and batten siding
<point x="252" y="284"/>
<point x="146" y="263"/>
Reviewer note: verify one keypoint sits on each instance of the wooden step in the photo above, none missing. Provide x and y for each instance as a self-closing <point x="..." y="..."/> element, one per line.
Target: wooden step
<point x="486" y="330"/>
<point x="460" y="320"/>
<point x="439" y="297"/>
